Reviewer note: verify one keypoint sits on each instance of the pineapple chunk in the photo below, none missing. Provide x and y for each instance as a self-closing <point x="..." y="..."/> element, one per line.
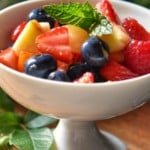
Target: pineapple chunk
<point x="118" y="40"/>
<point x="26" y="40"/>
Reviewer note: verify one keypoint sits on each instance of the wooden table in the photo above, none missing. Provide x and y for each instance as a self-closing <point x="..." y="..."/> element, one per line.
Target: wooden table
<point x="133" y="128"/>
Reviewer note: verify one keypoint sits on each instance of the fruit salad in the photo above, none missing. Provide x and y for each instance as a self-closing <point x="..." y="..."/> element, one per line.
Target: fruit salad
<point x="74" y="42"/>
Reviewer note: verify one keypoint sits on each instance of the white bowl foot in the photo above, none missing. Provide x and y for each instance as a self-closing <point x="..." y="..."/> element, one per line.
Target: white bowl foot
<point x="83" y="135"/>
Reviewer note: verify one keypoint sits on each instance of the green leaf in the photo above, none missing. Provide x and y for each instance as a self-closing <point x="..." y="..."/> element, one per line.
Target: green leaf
<point x="6" y="103"/>
<point x="33" y="139"/>
<point x="34" y="120"/>
<point x="82" y="15"/>
<point x="9" y="121"/>
<point x="72" y="13"/>
<point x="4" y="140"/>
<point x="101" y="27"/>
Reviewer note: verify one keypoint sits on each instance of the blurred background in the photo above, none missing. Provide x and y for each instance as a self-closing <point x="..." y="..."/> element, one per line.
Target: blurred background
<point x="145" y="3"/>
<point x="5" y="3"/>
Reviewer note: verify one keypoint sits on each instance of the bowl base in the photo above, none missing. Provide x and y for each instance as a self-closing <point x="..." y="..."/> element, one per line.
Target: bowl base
<point x="115" y="142"/>
<point x="84" y="135"/>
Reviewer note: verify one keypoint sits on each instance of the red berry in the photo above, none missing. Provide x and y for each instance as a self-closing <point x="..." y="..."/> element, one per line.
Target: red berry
<point x="135" y="29"/>
<point x="17" y="31"/>
<point x="76" y="58"/>
<point x="87" y="77"/>
<point x="113" y="71"/>
<point x="56" y="43"/>
<point x="9" y="58"/>
<point x="137" y="56"/>
<point x="106" y="8"/>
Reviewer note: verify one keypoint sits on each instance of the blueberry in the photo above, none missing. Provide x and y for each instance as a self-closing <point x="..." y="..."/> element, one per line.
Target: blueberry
<point x="76" y="70"/>
<point x="40" y="65"/>
<point x="58" y="76"/>
<point x="95" y="52"/>
<point x="97" y="75"/>
<point x="41" y="16"/>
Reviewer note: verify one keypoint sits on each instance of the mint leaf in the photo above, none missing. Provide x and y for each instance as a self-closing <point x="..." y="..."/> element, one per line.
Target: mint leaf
<point x="9" y="121"/>
<point x="72" y="13"/>
<point x="33" y="139"/>
<point x="101" y="27"/>
<point x="82" y="15"/>
<point x="6" y="103"/>
<point x="34" y="120"/>
<point x="4" y="140"/>
<point x="14" y="128"/>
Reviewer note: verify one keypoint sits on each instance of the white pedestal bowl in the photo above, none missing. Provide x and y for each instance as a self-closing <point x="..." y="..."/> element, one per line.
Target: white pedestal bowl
<point x="77" y="105"/>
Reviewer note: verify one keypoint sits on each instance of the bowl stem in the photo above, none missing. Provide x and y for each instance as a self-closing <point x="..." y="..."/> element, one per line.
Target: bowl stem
<point x="84" y="135"/>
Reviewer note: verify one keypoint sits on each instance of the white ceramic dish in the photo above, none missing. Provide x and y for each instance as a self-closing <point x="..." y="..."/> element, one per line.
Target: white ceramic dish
<point x="75" y="104"/>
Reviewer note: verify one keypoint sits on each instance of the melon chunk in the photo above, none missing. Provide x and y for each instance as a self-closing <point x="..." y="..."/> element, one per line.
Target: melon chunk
<point x="118" y="40"/>
<point x="26" y="40"/>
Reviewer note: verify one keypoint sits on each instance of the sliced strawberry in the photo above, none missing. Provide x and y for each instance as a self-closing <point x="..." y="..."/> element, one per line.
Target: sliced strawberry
<point x="106" y="8"/>
<point x="56" y="43"/>
<point x="87" y="77"/>
<point x="9" y="58"/>
<point x="76" y="58"/>
<point x="18" y="30"/>
<point x="137" y="56"/>
<point x="113" y="71"/>
<point x="135" y="29"/>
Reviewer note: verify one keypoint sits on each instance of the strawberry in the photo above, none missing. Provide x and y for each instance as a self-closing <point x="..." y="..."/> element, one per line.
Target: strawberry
<point x="18" y="30"/>
<point x="106" y="8"/>
<point x="135" y="29"/>
<point x="76" y="58"/>
<point x="137" y="56"/>
<point x="87" y="77"/>
<point x="9" y="58"/>
<point x="113" y="71"/>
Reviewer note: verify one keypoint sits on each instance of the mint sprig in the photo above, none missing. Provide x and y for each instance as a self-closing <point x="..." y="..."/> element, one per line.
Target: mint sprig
<point x="27" y="131"/>
<point x="82" y="15"/>
<point x="32" y="139"/>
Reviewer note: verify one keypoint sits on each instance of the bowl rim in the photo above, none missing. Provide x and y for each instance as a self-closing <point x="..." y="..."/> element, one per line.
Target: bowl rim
<point x="122" y="2"/>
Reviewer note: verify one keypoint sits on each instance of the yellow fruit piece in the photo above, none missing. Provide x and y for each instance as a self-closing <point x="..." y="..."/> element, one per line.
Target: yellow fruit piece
<point x="26" y="40"/>
<point x="118" y="40"/>
<point x="77" y="36"/>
